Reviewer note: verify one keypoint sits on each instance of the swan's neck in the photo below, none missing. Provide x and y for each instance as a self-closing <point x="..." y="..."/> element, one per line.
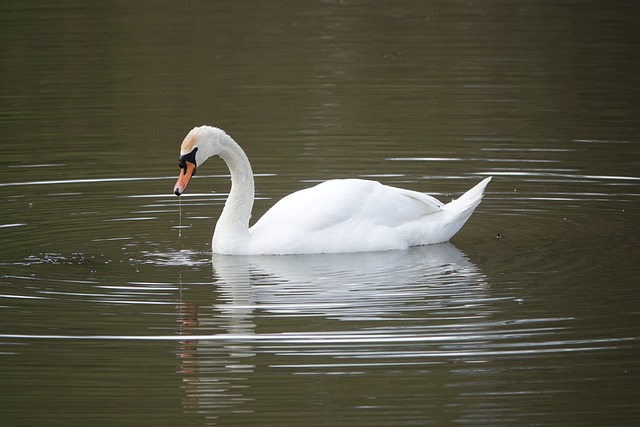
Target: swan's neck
<point x="232" y="230"/>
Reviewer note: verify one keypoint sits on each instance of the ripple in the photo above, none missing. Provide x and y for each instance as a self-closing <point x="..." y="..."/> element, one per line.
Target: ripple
<point x="83" y="181"/>
<point x="561" y="175"/>
<point x="53" y="258"/>
<point x="12" y="225"/>
<point x="108" y="180"/>
<point x="182" y="257"/>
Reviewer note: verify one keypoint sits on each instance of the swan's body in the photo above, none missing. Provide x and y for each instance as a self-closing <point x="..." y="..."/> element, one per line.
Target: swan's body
<point x="351" y="215"/>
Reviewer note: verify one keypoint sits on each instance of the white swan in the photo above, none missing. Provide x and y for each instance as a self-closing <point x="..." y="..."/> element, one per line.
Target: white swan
<point x="350" y="215"/>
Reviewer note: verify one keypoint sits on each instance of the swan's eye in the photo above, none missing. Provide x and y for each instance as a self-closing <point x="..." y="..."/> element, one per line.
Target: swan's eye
<point x="189" y="157"/>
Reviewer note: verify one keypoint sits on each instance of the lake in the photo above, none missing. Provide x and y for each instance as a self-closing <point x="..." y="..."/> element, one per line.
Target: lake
<point x="113" y="311"/>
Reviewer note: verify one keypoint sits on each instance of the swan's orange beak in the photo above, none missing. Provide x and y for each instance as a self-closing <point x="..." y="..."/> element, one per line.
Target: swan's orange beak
<point x="184" y="178"/>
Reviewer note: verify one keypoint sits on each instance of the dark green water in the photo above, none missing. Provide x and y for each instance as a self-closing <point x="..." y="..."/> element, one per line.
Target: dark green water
<point x="113" y="311"/>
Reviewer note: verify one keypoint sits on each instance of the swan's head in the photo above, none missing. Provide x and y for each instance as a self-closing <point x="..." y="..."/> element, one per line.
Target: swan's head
<point x="199" y="144"/>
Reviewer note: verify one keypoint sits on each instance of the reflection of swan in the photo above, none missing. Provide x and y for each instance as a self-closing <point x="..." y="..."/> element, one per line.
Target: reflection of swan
<point x="270" y="311"/>
<point x="362" y="284"/>
<point x="336" y="216"/>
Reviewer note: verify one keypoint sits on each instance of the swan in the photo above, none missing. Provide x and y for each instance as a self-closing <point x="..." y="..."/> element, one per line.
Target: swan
<point x="336" y="216"/>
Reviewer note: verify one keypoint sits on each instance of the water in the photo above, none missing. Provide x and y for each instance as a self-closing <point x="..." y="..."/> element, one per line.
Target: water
<point x="114" y="312"/>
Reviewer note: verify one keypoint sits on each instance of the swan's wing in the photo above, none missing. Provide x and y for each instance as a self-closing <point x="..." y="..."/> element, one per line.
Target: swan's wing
<point x="336" y="201"/>
<point x="429" y="203"/>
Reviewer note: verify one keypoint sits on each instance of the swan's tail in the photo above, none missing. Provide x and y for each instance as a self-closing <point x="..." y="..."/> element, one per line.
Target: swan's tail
<point x="457" y="212"/>
<point x="469" y="200"/>
<point x="441" y="226"/>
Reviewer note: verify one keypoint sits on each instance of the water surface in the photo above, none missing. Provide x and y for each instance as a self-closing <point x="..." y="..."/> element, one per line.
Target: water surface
<point x="113" y="310"/>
